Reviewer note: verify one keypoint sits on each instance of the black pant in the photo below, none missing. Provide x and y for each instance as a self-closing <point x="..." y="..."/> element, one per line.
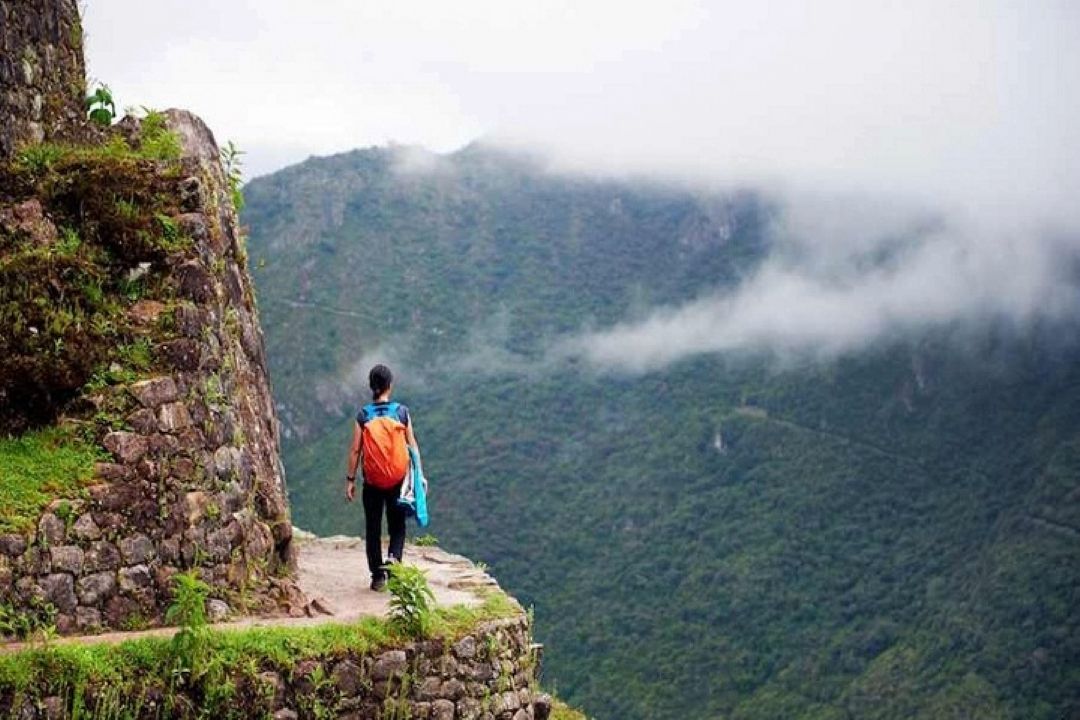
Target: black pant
<point x="374" y="499"/>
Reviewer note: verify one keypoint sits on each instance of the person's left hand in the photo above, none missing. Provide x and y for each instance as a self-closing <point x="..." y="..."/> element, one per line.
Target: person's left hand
<point x="350" y="490"/>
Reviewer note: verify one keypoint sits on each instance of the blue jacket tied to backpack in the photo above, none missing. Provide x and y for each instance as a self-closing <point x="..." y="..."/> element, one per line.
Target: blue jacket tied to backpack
<point x="413" y="497"/>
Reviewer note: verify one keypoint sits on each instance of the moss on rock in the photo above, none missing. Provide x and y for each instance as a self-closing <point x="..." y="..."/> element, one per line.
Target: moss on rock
<point x="85" y="233"/>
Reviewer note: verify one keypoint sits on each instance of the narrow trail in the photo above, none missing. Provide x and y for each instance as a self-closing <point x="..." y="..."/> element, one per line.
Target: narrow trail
<point x="333" y="574"/>
<point x="843" y="439"/>
<point x="304" y="305"/>
<point x="1054" y="527"/>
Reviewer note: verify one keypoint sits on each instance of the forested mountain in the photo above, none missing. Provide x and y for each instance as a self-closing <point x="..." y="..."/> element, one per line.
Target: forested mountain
<point x="894" y="533"/>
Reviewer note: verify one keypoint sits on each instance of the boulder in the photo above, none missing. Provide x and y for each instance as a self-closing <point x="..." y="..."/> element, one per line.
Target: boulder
<point x="102" y="555"/>
<point x="134" y="578"/>
<point x="388" y="664"/>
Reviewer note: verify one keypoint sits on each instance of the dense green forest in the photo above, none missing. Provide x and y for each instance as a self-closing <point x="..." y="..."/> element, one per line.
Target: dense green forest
<point x="892" y="534"/>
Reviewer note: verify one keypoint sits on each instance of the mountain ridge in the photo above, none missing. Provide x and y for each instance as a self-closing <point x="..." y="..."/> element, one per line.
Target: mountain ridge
<point x="732" y="535"/>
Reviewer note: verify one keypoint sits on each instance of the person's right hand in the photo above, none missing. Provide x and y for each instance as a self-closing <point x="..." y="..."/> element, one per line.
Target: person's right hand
<point x="350" y="490"/>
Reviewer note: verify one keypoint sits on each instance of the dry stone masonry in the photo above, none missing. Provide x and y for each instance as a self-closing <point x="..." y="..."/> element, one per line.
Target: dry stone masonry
<point x="42" y="80"/>
<point x="195" y="480"/>
<point x="489" y="674"/>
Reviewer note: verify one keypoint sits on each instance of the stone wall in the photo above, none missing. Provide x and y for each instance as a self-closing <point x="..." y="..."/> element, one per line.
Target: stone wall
<point x="489" y="674"/>
<point x="195" y="481"/>
<point x="42" y="79"/>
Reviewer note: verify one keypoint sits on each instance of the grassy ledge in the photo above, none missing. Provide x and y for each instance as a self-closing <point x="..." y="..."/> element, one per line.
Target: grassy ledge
<point x="562" y="711"/>
<point x="36" y="468"/>
<point x="230" y="659"/>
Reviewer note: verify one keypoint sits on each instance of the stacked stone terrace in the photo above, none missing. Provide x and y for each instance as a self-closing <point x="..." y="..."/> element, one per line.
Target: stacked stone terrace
<point x="196" y="482"/>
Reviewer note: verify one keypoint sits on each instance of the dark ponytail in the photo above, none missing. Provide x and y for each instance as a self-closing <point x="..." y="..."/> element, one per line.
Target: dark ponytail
<point x="379" y="380"/>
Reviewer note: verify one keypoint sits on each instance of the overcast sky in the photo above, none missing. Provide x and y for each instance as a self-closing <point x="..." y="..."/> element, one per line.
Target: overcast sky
<point x="968" y="110"/>
<point x="906" y="94"/>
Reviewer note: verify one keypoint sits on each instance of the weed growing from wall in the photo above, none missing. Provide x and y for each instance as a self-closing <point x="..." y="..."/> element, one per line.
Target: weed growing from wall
<point x="190" y="644"/>
<point x="234" y="174"/>
<point x="411" y="599"/>
<point x="100" y="107"/>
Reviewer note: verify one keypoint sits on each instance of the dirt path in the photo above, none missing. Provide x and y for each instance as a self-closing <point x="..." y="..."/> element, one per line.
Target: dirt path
<point x="333" y="574"/>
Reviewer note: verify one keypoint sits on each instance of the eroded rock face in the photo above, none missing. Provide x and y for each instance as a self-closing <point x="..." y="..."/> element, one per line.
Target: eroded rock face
<point x="41" y="72"/>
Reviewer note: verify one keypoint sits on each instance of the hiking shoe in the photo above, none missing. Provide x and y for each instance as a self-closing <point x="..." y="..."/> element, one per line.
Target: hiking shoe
<point x="378" y="582"/>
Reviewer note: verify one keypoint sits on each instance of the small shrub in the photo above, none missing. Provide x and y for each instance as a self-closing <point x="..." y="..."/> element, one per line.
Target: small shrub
<point x="234" y="174"/>
<point x="22" y="624"/>
<point x="156" y="141"/>
<point x="428" y="540"/>
<point x="100" y="107"/>
<point x="411" y="599"/>
<point x="191" y="643"/>
<point x="69" y="241"/>
<point x="138" y="355"/>
<point x="189" y="600"/>
<point x="37" y="159"/>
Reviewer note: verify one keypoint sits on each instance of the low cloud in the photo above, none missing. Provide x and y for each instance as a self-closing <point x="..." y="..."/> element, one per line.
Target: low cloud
<point x="347" y="391"/>
<point x="845" y="274"/>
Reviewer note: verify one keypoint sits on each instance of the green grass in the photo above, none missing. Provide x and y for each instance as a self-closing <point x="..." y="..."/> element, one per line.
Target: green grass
<point x="156" y="143"/>
<point x="230" y="655"/>
<point x="562" y="711"/>
<point x="38" y="467"/>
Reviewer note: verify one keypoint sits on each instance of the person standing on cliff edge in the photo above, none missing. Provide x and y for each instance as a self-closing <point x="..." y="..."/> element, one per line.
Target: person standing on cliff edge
<point x="383" y="430"/>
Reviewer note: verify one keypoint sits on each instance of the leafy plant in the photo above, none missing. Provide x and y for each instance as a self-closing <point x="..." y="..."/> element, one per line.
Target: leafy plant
<point x="69" y="241"/>
<point x="138" y="355"/>
<point x="172" y="238"/>
<point x="426" y="540"/>
<point x="190" y="644"/>
<point x="234" y="175"/>
<point x="411" y="599"/>
<point x="39" y="158"/>
<point x="37" y="620"/>
<point x="188" y="607"/>
<point x="156" y="140"/>
<point x="100" y="106"/>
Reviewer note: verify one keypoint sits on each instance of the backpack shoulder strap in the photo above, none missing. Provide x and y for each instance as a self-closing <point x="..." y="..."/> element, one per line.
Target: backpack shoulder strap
<point x="376" y="410"/>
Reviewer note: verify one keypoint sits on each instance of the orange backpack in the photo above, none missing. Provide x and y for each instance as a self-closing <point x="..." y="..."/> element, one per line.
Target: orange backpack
<point x="383" y="444"/>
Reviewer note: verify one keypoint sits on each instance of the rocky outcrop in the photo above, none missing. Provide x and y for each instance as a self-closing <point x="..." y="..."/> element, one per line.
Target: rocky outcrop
<point x="42" y="79"/>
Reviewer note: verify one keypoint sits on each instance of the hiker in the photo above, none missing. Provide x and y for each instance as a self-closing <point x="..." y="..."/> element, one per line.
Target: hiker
<point x="383" y="428"/>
